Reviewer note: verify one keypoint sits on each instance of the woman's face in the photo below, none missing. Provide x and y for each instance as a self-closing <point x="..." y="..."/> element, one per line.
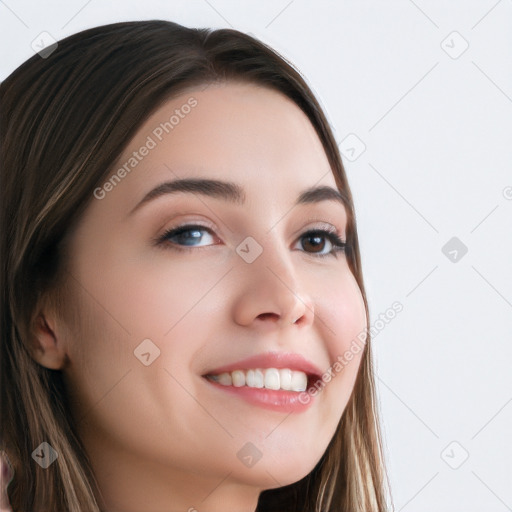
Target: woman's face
<point x="158" y="313"/>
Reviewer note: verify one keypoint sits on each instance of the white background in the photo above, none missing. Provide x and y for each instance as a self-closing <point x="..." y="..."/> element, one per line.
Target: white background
<point x="436" y="124"/>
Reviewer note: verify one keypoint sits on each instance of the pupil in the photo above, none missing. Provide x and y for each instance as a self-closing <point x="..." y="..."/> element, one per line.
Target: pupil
<point x="317" y="239"/>
<point x="187" y="235"/>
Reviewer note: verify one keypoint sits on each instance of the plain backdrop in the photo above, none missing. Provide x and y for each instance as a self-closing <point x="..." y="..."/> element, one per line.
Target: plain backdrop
<point x="419" y="95"/>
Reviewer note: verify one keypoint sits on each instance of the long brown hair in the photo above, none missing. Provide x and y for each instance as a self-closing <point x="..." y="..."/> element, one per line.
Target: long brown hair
<point x="65" y="119"/>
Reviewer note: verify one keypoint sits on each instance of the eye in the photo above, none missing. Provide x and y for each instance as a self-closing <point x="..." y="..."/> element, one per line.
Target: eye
<point x="185" y="234"/>
<point x="313" y="237"/>
<point x="183" y="238"/>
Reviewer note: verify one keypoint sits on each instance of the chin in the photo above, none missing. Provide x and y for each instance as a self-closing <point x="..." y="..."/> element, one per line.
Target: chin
<point x="272" y="473"/>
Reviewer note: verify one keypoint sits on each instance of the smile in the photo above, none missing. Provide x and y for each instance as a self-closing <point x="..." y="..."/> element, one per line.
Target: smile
<point x="269" y="378"/>
<point x="272" y="380"/>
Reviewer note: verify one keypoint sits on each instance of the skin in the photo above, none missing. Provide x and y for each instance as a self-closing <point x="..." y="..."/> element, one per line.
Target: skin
<point x="159" y="435"/>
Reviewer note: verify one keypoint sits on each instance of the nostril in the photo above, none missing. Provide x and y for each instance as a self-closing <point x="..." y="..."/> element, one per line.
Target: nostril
<point x="264" y="316"/>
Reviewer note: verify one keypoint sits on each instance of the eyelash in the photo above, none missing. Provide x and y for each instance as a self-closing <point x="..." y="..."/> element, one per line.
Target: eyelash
<point x="331" y="234"/>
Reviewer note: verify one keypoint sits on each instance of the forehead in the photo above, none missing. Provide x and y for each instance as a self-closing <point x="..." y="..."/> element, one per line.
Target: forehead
<point x="253" y="135"/>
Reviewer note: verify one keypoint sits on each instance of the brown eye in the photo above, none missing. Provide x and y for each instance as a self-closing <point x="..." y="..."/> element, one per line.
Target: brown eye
<point x="314" y="240"/>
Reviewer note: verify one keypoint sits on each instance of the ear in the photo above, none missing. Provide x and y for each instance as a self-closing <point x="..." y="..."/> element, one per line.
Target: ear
<point x="47" y="347"/>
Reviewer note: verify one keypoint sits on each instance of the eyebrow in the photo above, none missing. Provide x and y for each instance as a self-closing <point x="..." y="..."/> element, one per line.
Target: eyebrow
<point x="234" y="193"/>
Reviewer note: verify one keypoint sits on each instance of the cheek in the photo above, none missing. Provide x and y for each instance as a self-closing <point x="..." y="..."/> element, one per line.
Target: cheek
<point x="155" y="316"/>
<point x="342" y="314"/>
<point x="109" y="384"/>
<point x="160" y="294"/>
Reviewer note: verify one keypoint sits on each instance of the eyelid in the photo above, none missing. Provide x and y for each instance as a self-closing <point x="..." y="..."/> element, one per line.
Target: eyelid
<point x="186" y="220"/>
<point x="323" y="223"/>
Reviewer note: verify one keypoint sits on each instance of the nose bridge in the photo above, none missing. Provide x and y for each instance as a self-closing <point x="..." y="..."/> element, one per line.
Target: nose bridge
<point x="277" y="257"/>
<point x="271" y="284"/>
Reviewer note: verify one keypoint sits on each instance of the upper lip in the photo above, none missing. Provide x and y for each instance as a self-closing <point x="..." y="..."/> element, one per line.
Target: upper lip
<point x="276" y="360"/>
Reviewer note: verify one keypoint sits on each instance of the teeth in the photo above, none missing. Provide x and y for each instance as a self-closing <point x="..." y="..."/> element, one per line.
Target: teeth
<point x="258" y="379"/>
<point x="285" y="376"/>
<point x="250" y="380"/>
<point x="299" y="381"/>
<point x="238" y="378"/>
<point x="271" y="378"/>
<point x="225" y="379"/>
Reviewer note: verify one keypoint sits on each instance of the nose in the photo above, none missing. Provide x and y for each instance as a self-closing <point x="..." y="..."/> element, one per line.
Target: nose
<point x="271" y="291"/>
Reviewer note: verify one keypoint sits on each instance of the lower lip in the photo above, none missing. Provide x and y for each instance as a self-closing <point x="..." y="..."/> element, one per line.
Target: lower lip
<point x="275" y="400"/>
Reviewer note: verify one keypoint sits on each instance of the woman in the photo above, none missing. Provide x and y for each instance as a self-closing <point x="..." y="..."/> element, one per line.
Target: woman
<point x="141" y="370"/>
